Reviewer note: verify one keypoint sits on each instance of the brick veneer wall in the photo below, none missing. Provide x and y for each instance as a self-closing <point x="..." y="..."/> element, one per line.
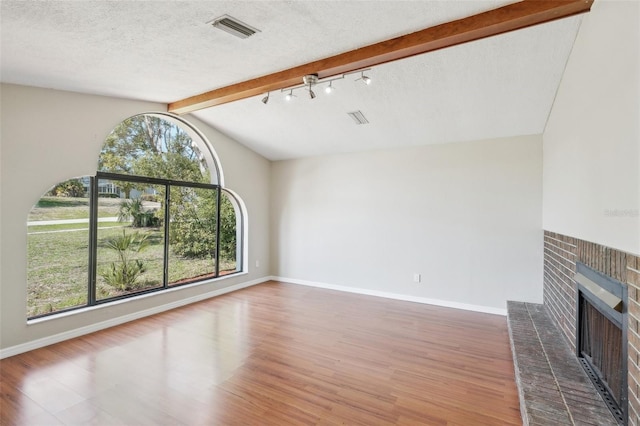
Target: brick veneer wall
<point x="633" y="282"/>
<point x="560" y="256"/>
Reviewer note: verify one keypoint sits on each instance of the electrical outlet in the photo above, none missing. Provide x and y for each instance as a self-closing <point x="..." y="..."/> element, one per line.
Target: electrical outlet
<point x="257" y="263"/>
<point x="417" y="278"/>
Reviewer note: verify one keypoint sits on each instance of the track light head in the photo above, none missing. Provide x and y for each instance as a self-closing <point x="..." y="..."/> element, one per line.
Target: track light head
<point x="265" y="100"/>
<point x="329" y="88"/>
<point x="365" y="79"/>
<point x="289" y="95"/>
<point x="310" y="80"/>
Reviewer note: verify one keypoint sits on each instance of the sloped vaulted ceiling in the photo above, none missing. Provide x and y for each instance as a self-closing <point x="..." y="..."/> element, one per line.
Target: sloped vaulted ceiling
<point x="165" y="51"/>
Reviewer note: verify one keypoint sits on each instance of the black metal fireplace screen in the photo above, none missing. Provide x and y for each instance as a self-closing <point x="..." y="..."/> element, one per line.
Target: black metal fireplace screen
<point x="602" y="336"/>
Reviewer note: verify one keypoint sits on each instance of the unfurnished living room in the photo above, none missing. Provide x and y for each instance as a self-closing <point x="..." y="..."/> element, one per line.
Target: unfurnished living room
<point x="320" y="213"/>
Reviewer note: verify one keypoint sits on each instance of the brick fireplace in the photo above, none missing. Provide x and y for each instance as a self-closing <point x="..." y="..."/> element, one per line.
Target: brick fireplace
<point x="561" y="255"/>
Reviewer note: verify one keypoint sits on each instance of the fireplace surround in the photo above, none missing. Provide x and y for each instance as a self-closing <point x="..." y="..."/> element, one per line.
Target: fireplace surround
<point x="562" y="255"/>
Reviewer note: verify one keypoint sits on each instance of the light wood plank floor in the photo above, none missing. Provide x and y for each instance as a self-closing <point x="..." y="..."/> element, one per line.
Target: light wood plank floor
<point x="274" y="354"/>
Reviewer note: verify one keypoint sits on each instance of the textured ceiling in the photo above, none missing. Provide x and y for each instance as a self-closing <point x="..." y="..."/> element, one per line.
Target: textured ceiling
<point x="164" y="51"/>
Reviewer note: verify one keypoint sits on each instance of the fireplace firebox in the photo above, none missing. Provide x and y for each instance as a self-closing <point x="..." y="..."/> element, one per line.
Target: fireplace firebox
<point x="601" y="336"/>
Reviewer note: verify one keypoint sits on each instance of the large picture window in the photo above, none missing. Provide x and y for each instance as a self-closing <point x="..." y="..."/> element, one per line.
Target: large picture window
<point x="153" y="217"/>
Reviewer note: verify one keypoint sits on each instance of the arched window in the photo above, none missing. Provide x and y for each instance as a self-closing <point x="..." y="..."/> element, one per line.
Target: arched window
<point x="154" y="216"/>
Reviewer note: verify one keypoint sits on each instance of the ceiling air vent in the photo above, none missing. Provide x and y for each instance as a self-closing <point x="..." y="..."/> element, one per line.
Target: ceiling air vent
<point x="358" y="117"/>
<point x="233" y="26"/>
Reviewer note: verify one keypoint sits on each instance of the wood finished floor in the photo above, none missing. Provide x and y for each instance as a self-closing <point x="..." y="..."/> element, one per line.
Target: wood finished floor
<point x="274" y="354"/>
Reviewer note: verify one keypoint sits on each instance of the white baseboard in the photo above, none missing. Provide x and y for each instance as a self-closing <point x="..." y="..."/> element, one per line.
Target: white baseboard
<point x="56" y="338"/>
<point x="405" y="297"/>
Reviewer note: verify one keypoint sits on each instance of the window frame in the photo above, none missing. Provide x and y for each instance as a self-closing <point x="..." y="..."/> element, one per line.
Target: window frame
<point x="92" y="299"/>
<point x="217" y="183"/>
<point x="93" y="232"/>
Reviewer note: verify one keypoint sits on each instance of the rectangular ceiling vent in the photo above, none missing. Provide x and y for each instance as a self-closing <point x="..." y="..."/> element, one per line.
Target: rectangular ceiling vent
<point x="233" y="26"/>
<point x="358" y="117"/>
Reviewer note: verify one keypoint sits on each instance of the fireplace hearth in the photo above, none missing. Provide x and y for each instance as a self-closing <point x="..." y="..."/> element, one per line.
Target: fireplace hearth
<point x="601" y="336"/>
<point x="553" y="387"/>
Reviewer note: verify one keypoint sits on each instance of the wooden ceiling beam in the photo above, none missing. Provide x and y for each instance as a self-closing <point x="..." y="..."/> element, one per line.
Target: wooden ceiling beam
<point x="498" y="21"/>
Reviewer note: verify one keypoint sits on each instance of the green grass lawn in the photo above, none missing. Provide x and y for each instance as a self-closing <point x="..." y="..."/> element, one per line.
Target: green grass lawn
<point x="60" y="208"/>
<point x="57" y="276"/>
<point x="72" y="227"/>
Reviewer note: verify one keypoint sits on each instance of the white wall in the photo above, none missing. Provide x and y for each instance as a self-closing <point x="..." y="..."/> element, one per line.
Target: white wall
<point x="466" y="216"/>
<point x="592" y="139"/>
<point x="49" y="136"/>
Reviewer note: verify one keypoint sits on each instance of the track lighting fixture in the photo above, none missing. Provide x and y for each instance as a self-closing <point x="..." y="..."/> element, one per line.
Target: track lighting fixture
<point x="310" y="80"/>
<point x="265" y="100"/>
